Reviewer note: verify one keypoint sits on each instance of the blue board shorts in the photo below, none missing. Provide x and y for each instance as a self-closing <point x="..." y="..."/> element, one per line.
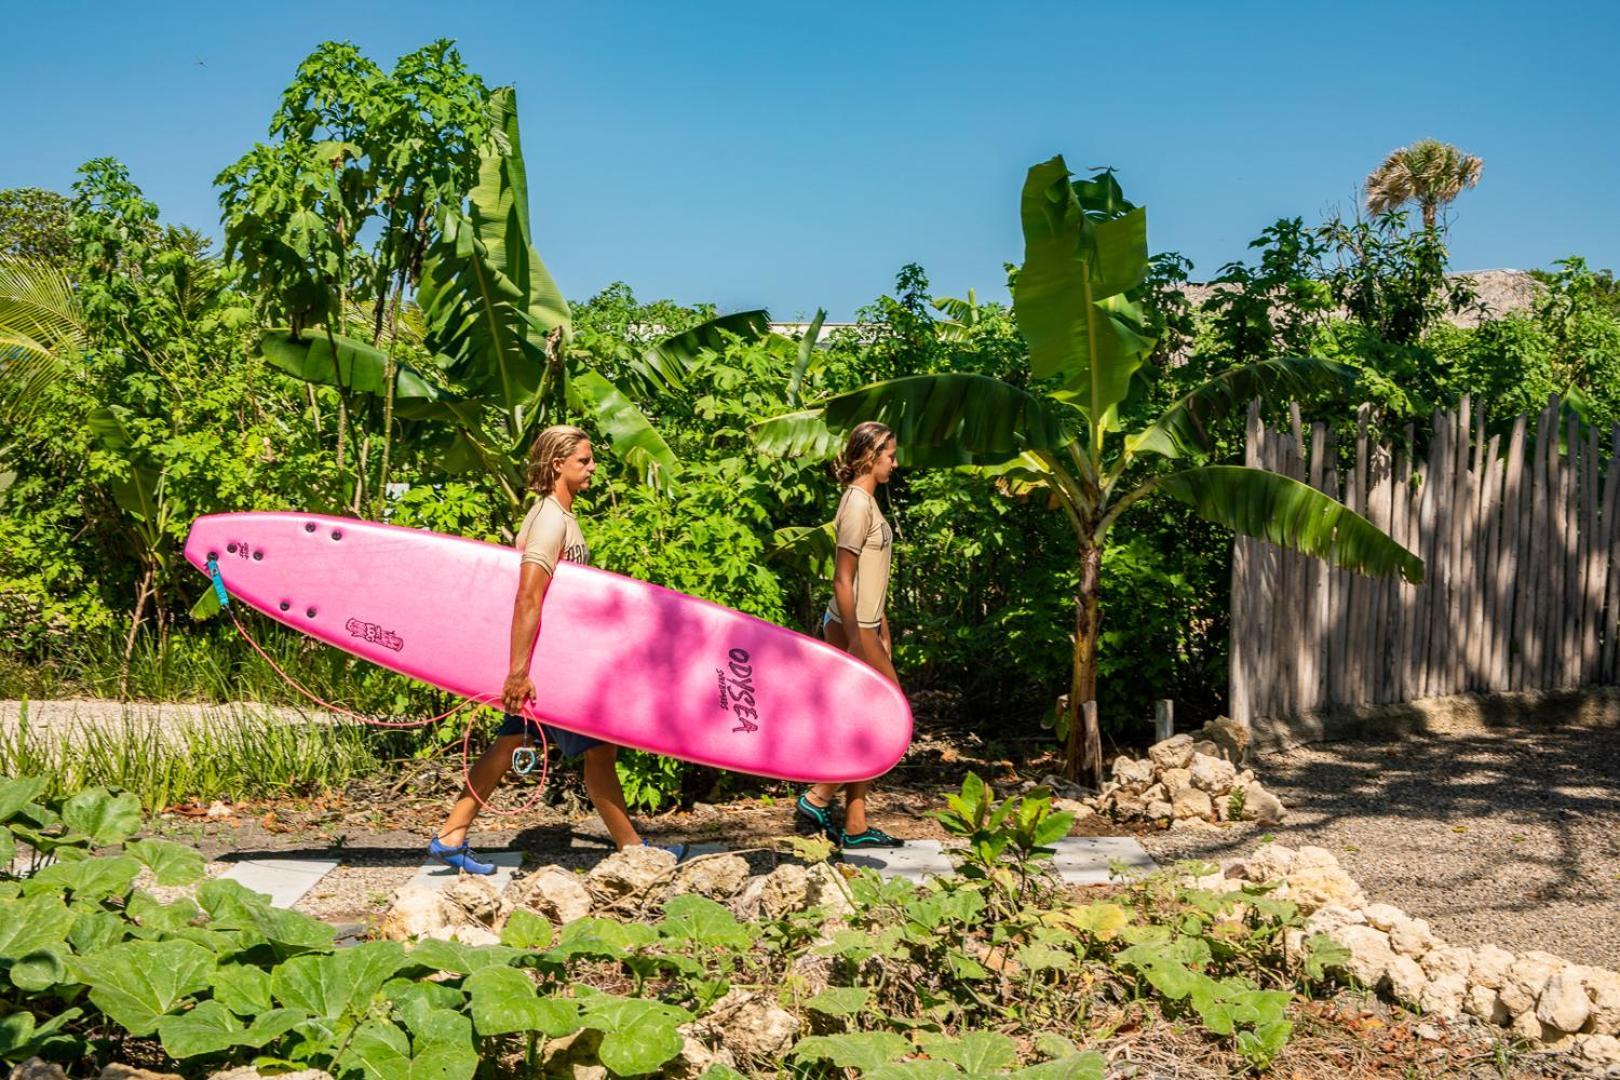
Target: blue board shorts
<point x="570" y="743"/>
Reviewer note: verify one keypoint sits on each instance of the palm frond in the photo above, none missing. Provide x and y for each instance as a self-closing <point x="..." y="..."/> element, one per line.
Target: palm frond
<point x="42" y="332"/>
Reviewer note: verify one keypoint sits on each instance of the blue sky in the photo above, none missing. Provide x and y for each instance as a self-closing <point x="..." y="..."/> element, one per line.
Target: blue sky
<point x="790" y="156"/>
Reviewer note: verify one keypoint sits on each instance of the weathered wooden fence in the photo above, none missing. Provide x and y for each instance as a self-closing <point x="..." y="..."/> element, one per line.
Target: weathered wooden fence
<point x="1520" y="591"/>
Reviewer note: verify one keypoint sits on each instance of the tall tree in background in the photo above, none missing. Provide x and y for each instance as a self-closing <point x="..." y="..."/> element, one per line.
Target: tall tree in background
<point x="34" y="225"/>
<point x="1429" y="172"/>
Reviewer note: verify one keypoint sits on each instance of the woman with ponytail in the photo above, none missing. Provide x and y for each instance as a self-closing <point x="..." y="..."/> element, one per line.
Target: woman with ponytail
<point x="855" y="619"/>
<point x="560" y="466"/>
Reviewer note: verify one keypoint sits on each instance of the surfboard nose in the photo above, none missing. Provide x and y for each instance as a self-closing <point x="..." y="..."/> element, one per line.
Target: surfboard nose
<point x="207" y="537"/>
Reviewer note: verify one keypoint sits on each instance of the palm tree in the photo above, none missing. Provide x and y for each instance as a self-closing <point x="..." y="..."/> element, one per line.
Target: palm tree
<point x="41" y="331"/>
<point x="1429" y="172"/>
<point x="1085" y="261"/>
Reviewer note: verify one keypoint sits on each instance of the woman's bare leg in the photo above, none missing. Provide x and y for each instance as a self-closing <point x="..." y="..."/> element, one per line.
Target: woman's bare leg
<point x="854" y="794"/>
<point x="607" y="794"/>
<point x="484" y="776"/>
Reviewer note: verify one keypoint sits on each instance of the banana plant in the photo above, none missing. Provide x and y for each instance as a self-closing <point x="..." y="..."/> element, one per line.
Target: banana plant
<point x="499" y="334"/>
<point x="1085" y="258"/>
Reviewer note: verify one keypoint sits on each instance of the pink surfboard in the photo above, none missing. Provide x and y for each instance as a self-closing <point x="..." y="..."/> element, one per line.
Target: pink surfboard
<point x="619" y="659"/>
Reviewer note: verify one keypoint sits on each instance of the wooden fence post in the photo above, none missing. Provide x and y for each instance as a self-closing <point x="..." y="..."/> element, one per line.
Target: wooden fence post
<point x="1093" y="761"/>
<point x="1164" y="722"/>
<point x="1522" y="583"/>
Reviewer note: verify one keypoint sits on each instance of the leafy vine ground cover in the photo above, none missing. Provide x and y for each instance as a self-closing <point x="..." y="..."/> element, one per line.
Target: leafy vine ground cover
<point x="995" y="971"/>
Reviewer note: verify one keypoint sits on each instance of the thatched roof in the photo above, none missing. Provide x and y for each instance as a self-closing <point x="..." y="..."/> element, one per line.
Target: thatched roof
<point x="1500" y="292"/>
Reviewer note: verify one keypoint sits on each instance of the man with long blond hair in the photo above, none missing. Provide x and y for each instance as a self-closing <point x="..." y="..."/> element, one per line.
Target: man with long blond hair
<point x="560" y="466"/>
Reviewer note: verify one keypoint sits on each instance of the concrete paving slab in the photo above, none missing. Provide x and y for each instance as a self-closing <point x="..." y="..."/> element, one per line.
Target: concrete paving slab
<point x="285" y="880"/>
<point x="1080" y="860"/>
<point x="435" y="873"/>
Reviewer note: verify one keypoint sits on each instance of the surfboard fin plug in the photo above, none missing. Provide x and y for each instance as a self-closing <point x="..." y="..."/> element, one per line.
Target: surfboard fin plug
<point x="219" y="582"/>
<point x="524" y="760"/>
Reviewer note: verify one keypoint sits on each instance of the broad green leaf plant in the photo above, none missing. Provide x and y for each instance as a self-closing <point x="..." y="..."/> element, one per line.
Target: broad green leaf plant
<point x="1076" y="299"/>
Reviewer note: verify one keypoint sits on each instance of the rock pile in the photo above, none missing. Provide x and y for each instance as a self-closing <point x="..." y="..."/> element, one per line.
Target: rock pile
<point x="473" y="911"/>
<point x="745" y="1027"/>
<point x="1191" y="781"/>
<point x="1560" y="1005"/>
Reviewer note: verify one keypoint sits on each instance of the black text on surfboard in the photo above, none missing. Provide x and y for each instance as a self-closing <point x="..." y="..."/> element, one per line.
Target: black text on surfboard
<point x="737" y="690"/>
<point x="375" y="634"/>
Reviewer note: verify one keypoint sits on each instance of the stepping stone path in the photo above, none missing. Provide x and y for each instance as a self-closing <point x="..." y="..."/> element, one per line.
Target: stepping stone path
<point x="506" y="863"/>
<point x="284" y="880"/>
<point x="1080" y="860"/>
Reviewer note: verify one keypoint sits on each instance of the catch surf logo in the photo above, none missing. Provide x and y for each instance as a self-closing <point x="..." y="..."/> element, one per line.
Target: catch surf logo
<point x="737" y="690"/>
<point x="370" y="631"/>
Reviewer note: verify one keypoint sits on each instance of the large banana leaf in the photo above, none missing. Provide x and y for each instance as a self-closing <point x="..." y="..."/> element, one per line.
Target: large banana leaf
<point x="1184" y="428"/>
<point x="807" y="351"/>
<point x="957" y="418"/>
<point x="663" y="365"/>
<point x="487" y="300"/>
<point x="814" y="547"/>
<point x="357" y="366"/>
<point x="802" y="434"/>
<point x="138" y="492"/>
<point x="1073" y="266"/>
<point x="1285" y="512"/>
<point x="41" y="331"/>
<point x="634" y="438"/>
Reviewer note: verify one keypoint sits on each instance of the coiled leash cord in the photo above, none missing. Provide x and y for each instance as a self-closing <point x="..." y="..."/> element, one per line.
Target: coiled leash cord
<point x="524" y="759"/>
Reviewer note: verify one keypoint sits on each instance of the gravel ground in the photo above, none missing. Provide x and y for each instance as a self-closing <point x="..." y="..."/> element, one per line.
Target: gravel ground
<point x="1505" y="835"/>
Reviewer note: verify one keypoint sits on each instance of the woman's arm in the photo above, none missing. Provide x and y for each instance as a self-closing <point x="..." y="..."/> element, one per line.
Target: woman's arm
<point x="844" y="597"/>
<point x="532" y="585"/>
<point x="883" y="636"/>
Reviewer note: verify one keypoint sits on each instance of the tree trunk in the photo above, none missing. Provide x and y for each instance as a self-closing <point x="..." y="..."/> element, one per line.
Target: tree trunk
<point x="1084" y="751"/>
<point x="143" y="593"/>
<point x="390" y="374"/>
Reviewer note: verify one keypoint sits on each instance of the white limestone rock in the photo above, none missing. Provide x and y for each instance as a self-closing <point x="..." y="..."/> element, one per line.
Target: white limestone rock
<point x="1525" y="979"/>
<point x="1176" y="781"/>
<point x="1603" y="990"/>
<point x="1405" y="979"/>
<point x="1370" y="954"/>
<point x="1563" y="1003"/>
<point x="636" y="870"/>
<point x="1269" y="862"/>
<point x="1173" y="753"/>
<point x="1599" y="1049"/>
<point x="1130" y="772"/>
<point x="1491" y="964"/>
<point x="1486" y="1004"/>
<point x="1443" y="997"/>
<point x="1193" y="803"/>
<point x="1260" y="805"/>
<point x="1212" y="774"/>
<point x="719" y="877"/>
<point x="553" y="893"/>
<point x="1447" y="960"/>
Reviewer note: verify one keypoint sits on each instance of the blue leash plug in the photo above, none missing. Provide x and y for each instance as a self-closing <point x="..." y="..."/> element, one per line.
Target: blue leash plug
<point x="219" y="582"/>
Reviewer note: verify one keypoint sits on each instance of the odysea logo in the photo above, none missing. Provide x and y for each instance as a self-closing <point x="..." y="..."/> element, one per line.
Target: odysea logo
<point x="737" y="690"/>
<point x="375" y="634"/>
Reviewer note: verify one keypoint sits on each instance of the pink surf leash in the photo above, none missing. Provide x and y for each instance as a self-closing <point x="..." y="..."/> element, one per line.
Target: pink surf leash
<point x="544" y="757"/>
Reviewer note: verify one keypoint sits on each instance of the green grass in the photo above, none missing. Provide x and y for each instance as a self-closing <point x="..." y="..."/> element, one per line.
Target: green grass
<point x="212" y="664"/>
<point x="253" y="756"/>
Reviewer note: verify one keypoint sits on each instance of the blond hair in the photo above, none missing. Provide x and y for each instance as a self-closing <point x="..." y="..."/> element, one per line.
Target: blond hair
<point x="865" y="443"/>
<point x="551" y="447"/>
